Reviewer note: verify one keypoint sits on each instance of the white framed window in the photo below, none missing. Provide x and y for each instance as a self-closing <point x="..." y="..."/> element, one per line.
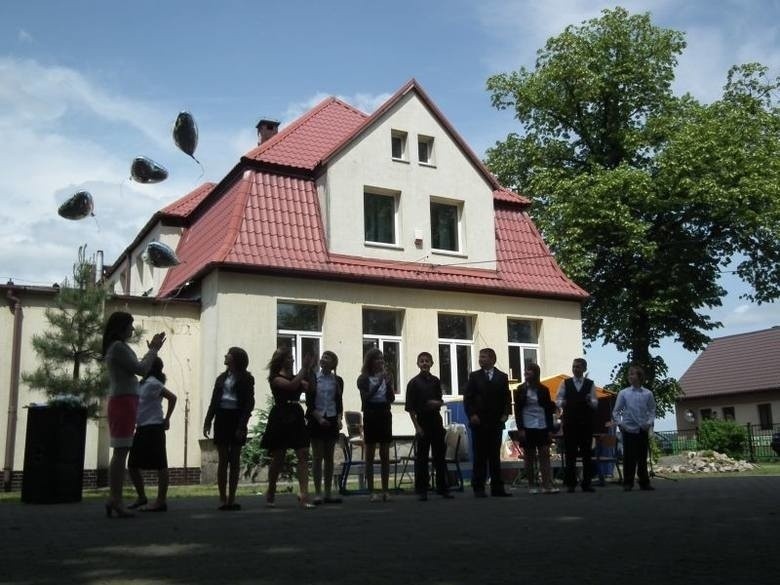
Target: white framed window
<point x="445" y="225"/>
<point x="523" y="341"/>
<point x="382" y="330"/>
<point x="425" y="150"/>
<point x="398" y="145"/>
<point x="299" y="327"/>
<point x="456" y="345"/>
<point x="380" y="211"/>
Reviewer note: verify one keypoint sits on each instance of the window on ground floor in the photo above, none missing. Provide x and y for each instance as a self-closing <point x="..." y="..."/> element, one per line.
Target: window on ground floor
<point x="456" y="341"/>
<point x="523" y="342"/>
<point x="765" y="416"/>
<point x="382" y="329"/>
<point x="299" y="327"/>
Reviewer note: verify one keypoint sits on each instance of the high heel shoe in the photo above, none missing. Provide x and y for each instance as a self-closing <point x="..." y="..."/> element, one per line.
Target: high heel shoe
<point x="305" y="504"/>
<point x="112" y="508"/>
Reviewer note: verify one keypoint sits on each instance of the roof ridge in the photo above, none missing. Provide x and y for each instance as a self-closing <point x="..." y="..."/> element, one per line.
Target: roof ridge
<point x="744" y="333"/>
<point x="191" y="195"/>
<point x="237" y="217"/>
<point x="291" y="128"/>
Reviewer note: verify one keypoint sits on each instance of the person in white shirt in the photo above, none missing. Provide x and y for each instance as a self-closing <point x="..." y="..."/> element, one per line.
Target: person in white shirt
<point x="148" y="450"/>
<point x="634" y="413"/>
<point x="324" y="409"/>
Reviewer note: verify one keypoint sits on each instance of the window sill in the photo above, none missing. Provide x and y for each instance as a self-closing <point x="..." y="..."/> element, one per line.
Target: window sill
<point x="400" y="160"/>
<point x="383" y="246"/>
<point x="429" y="165"/>
<point x="452" y="253"/>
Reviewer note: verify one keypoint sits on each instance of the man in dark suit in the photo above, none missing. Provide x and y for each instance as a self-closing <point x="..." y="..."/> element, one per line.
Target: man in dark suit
<point x="487" y="403"/>
<point x="577" y="398"/>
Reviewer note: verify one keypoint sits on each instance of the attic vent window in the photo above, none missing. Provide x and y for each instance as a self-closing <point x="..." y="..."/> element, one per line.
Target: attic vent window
<point x="425" y="150"/>
<point x="398" y="145"/>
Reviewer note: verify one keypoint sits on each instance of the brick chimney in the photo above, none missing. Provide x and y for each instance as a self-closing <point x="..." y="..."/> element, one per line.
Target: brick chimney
<point x="266" y="129"/>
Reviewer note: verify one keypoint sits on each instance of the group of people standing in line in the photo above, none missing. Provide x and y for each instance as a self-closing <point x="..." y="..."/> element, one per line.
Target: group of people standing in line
<point x="137" y="424"/>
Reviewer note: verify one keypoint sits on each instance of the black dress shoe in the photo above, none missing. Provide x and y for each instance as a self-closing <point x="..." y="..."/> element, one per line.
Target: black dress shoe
<point x="587" y="488"/>
<point x="501" y="494"/>
<point x="480" y="494"/>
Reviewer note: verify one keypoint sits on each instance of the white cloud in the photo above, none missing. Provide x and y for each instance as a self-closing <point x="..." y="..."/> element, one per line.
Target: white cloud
<point x="716" y="40"/>
<point x="63" y="133"/>
<point x="36" y="95"/>
<point x="365" y="102"/>
<point x="749" y="317"/>
<point x="24" y="37"/>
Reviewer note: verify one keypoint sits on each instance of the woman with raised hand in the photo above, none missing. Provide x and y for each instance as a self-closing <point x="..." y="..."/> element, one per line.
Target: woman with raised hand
<point x="123" y="367"/>
<point x="232" y="401"/>
<point x="377" y="391"/>
<point x="286" y="427"/>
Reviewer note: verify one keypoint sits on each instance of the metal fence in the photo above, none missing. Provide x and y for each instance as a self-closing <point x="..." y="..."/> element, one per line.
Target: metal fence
<point x="758" y="446"/>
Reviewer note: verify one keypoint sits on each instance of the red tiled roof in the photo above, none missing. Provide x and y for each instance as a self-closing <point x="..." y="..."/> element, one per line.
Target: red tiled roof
<point x="183" y="206"/>
<point x="510" y="197"/>
<point x="305" y="142"/>
<point x="268" y="222"/>
<point x="735" y="364"/>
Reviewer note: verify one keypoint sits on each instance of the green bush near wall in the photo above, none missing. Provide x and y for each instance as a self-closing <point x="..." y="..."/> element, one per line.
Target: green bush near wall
<point x="723" y="436"/>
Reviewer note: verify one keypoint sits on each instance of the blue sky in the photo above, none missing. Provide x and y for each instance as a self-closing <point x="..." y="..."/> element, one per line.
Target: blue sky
<point x="85" y="86"/>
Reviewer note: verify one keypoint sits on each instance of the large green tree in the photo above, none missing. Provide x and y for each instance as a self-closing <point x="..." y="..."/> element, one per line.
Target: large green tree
<point x="645" y="197"/>
<point x="70" y="369"/>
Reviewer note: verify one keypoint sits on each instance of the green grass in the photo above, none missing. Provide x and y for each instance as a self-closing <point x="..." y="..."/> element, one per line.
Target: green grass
<point x="247" y="490"/>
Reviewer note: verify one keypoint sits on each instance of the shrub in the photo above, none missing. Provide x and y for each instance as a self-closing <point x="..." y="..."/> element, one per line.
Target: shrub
<point x="254" y="457"/>
<point x="723" y="436"/>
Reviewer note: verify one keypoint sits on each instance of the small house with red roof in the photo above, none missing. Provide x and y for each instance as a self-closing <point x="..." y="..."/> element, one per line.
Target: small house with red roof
<point x="345" y="231"/>
<point x="734" y="378"/>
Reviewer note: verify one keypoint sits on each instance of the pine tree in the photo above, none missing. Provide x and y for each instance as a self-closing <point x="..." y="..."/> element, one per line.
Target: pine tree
<point x="71" y="372"/>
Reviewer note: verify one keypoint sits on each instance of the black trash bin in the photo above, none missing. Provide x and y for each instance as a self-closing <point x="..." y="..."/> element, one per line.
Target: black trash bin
<point x="54" y="454"/>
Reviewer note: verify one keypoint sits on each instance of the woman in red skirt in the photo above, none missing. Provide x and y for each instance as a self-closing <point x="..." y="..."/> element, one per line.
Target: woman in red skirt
<point x="123" y="366"/>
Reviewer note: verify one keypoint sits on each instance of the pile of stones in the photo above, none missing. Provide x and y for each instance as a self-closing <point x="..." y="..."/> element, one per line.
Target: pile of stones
<point x="702" y="462"/>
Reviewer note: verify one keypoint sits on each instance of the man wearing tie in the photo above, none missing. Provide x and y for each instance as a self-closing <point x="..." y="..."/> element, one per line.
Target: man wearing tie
<point x="487" y="403"/>
<point x="577" y="398"/>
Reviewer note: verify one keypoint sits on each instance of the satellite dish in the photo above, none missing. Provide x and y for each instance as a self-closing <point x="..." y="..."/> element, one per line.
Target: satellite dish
<point x="690" y="416"/>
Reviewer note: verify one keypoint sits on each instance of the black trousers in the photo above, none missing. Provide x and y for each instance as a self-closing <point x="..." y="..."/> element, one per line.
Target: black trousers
<point x="577" y="439"/>
<point x="432" y="440"/>
<point x="635" y="450"/>
<point x="487" y="455"/>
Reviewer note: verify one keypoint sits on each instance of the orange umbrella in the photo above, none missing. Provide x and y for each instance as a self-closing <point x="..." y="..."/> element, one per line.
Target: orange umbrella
<point x="553" y="382"/>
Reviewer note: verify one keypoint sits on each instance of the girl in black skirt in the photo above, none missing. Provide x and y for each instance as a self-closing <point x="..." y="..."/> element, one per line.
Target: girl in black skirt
<point x="232" y="401"/>
<point x="148" y="450"/>
<point x="324" y="407"/>
<point x="286" y="427"/>
<point x="377" y="391"/>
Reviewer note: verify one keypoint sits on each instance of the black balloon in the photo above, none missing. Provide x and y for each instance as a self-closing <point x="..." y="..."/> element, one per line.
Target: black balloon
<point x="159" y="255"/>
<point x="185" y="133"/>
<point x="145" y="170"/>
<point x="78" y="206"/>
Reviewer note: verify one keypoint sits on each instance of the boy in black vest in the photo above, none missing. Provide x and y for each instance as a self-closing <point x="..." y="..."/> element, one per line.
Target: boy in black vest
<point x="577" y="398"/>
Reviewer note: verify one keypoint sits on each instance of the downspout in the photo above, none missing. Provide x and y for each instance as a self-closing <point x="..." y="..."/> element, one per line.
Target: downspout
<point x="13" y="394"/>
